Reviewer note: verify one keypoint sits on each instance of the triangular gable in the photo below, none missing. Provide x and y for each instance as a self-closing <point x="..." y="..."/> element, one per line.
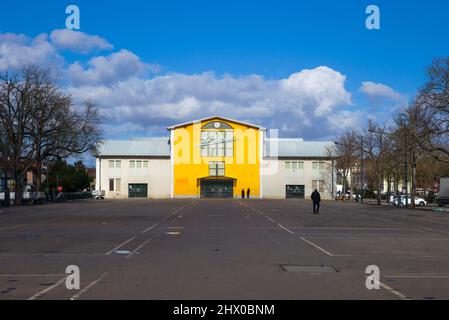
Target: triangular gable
<point x="215" y="118"/>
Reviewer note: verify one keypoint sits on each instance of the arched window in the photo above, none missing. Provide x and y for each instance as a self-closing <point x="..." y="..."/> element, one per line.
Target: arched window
<point x="217" y="140"/>
<point x="217" y="125"/>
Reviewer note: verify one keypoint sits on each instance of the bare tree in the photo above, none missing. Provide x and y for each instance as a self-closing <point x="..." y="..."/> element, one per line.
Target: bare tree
<point x="345" y="152"/>
<point x="432" y="111"/>
<point x="377" y="143"/>
<point x="58" y="128"/>
<point x="40" y="123"/>
<point x="16" y="105"/>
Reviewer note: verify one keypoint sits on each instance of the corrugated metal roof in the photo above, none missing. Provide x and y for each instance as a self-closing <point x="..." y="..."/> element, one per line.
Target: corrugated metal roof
<point x="151" y="147"/>
<point x="297" y="148"/>
<point x="160" y="147"/>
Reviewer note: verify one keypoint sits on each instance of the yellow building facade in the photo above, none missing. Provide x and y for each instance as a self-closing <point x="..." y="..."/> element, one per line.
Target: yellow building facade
<point x="216" y="157"/>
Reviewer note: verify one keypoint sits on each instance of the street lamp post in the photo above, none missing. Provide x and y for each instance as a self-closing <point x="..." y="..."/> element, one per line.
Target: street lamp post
<point x="332" y="173"/>
<point x="406" y="182"/>
<point x="362" y="189"/>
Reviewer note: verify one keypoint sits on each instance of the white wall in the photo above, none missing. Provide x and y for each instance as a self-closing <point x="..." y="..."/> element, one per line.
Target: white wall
<point x="274" y="185"/>
<point x="157" y="177"/>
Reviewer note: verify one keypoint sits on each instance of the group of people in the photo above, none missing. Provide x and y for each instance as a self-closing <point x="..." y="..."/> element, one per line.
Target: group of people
<point x="248" y="191"/>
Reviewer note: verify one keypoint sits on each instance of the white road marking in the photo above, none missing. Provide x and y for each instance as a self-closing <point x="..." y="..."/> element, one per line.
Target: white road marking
<point x="90" y="285"/>
<point x="270" y="219"/>
<point x="150" y="228"/>
<point x="120" y="245"/>
<point x="138" y="248"/>
<point x="393" y="291"/>
<point x="288" y="230"/>
<point x="47" y="290"/>
<point x="316" y="246"/>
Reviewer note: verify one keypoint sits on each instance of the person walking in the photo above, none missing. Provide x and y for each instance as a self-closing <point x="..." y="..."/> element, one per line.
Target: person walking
<point x="316" y="198"/>
<point x="247" y="193"/>
<point x="243" y="193"/>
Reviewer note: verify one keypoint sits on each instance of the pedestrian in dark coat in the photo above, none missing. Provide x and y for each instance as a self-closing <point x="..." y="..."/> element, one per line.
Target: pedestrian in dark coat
<point x="316" y="198"/>
<point x="247" y="193"/>
<point x="243" y="193"/>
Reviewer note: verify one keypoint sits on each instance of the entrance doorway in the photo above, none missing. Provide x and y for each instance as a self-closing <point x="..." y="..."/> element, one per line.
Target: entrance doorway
<point x="217" y="188"/>
<point x="139" y="190"/>
<point x="294" y="192"/>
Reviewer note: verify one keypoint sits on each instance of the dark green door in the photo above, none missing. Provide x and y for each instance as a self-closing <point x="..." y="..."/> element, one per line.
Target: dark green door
<point x="138" y="190"/>
<point x="217" y="189"/>
<point x="294" y="192"/>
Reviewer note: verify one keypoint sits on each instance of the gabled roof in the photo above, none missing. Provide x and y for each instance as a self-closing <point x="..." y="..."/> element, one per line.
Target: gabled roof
<point x="297" y="148"/>
<point x="218" y="118"/>
<point x="140" y="147"/>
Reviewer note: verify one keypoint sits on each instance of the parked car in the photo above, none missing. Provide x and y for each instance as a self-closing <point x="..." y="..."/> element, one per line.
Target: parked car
<point x="98" y="195"/>
<point x="418" y="201"/>
<point x="27" y="197"/>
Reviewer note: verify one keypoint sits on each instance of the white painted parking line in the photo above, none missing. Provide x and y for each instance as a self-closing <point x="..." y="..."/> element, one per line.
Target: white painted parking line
<point x="270" y="219"/>
<point x="90" y="285"/>
<point x="286" y="229"/>
<point x="150" y="228"/>
<point x="317" y="246"/>
<point x="120" y="245"/>
<point x="138" y="248"/>
<point x="394" y="291"/>
<point x="47" y="290"/>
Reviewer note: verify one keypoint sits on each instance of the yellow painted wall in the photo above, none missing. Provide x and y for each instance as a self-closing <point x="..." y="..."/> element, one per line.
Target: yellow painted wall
<point x="189" y="165"/>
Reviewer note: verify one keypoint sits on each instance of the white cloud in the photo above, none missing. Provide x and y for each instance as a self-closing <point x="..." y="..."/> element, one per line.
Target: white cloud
<point x="105" y="70"/>
<point x="18" y="50"/>
<point x="322" y="87"/>
<point x="78" y="41"/>
<point x="310" y="103"/>
<point x="296" y="103"/>
<point x="380" y="91"/>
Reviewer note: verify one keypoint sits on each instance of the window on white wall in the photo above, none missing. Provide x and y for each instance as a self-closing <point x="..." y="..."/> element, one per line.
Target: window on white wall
<point x="115" y="184"/>
<point x="294" y="165"/>
<point x="138" y="168"/>
<point x="115" y="164"/>
<point x="318" y="185"/>
<point x="114" y="167"/>
<point x="318" y="165"/>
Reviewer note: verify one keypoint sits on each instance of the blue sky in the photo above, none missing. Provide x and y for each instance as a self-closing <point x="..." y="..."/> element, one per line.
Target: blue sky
<point x="308" y="68"/>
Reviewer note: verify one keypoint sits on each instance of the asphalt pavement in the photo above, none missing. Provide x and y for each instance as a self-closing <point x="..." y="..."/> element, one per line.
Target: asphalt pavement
<point x="222" y="249"/>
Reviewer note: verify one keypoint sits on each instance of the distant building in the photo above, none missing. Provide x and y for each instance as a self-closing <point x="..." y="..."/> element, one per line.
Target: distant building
<point x="214" y="157"/>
